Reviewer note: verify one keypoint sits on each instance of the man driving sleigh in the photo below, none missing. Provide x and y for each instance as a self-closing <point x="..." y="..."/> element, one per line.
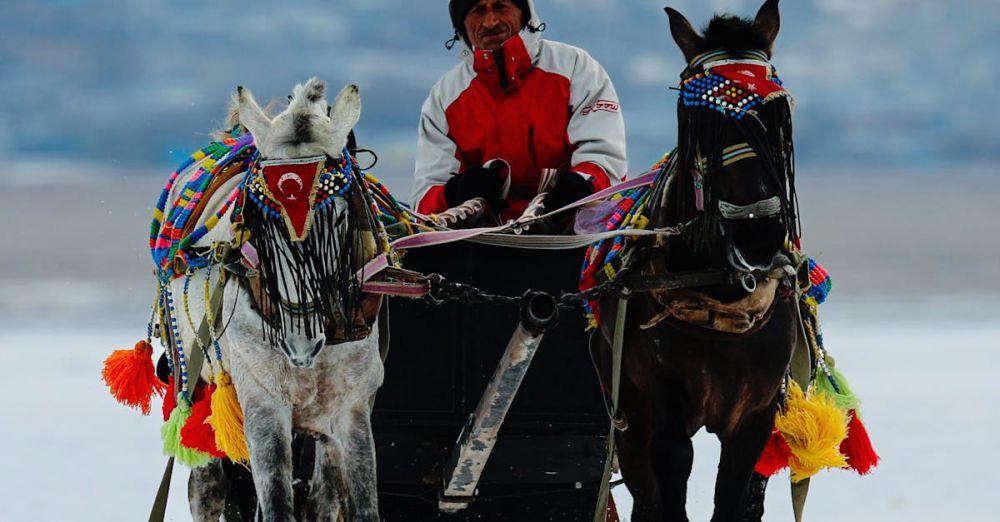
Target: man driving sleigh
<point x="519" y="116"/>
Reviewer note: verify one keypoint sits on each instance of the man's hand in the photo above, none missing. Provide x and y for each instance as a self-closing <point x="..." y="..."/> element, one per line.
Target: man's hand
<point x="477" y="182"/>
<point x="570" y="186"/>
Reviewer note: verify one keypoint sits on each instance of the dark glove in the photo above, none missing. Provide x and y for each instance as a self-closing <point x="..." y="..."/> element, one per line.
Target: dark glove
<point x="569" y="187"/>
<point x="477" y="182"/>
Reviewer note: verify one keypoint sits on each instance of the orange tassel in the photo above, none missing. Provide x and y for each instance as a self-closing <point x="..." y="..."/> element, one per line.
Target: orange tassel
<point x="775" y="456"/>
<point x="131" y="376"/>
<point x="197" y="433"/>
<point x="857" y="447"/>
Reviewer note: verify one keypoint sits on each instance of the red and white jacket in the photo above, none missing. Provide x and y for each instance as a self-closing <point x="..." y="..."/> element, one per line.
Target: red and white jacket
<point x="556" y="108"/>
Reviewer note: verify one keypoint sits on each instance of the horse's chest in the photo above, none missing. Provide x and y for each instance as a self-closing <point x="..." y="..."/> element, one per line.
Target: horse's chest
<point x="340" y="380"/>
<point x="722" y="383"/>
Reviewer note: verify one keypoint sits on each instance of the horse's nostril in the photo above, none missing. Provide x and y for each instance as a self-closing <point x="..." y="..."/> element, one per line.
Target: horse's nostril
<point x="318" y="346"/>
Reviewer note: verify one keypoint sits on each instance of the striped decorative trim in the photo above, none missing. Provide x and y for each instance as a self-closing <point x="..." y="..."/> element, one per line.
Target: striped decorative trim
<point x="738" y="152"/>
<point x="721" y="54"/>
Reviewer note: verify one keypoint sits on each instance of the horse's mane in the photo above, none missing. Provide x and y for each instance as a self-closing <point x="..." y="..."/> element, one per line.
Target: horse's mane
<point x="233" y="118"/>
<point x="733" y="33"/>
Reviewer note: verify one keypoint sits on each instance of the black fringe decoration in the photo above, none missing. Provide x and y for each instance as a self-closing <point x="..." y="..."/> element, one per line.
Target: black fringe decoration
<point x="315" y="275"/>
<point x="704" y="132"/>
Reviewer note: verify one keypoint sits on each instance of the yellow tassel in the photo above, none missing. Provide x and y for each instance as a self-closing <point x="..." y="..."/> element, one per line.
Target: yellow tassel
<point x="814" y="428"/>
<point x="227" y="420"/>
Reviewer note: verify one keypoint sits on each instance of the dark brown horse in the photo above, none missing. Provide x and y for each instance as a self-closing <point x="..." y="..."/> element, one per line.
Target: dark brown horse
<point x="716" y="355"/>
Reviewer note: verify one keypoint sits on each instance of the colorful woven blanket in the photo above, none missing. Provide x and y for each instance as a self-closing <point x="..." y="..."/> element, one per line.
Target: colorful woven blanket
<point x="167" y="240"/>
<point x="603" y="259"/>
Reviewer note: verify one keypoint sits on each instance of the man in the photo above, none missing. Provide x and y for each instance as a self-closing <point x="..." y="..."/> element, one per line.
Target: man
<point x="517" y="106"/>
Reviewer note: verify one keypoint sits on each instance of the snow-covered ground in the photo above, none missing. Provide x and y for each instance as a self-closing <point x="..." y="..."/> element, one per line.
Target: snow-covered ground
<point x="924" y="368"/>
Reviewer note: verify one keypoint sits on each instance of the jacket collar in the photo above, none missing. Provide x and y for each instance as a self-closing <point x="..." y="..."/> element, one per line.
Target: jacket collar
<point x="517" y="61"/>
<point x="524" y="46"/>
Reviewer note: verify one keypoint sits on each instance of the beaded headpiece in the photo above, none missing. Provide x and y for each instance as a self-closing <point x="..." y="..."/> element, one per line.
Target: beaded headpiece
<point x="733" y="84"/>
<point x="294" y="190"/>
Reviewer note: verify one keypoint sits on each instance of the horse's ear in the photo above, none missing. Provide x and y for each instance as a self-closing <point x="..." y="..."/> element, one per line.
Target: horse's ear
<point x="344" y="115"/>
<point x="768" y="22"/>
<point x="251" y="115"/>
<point x="686" y="37"/>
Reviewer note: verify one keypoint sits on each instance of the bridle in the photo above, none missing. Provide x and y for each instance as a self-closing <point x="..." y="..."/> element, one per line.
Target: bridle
<point x="714" y="93"/>
<point x="722" y="88"/>
<point x="315" y="266"/>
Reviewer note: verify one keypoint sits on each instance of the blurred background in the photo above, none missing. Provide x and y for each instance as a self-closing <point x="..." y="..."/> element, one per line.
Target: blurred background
<point x="896" y="140"/>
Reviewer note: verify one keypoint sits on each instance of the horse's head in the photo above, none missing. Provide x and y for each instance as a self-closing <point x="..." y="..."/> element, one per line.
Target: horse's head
<point x="733" y="180"/>
<point x="307" y="127"/>
<point x="300" y="219"/>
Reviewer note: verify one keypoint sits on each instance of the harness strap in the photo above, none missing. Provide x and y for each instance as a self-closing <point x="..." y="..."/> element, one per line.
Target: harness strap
<point x="640" y="282"/>
<point x="195" y="362"/>
<point x="160" y="502"/>
<point x="533" y="242"/>
<point x="800" y="369"/>
<point x="601" y="512"/>
<point x="496" y="236"/>
<point x="698" y="309"/>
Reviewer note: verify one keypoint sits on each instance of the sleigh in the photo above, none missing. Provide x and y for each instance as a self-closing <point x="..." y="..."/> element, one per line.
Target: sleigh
<point x="549" y="456"/>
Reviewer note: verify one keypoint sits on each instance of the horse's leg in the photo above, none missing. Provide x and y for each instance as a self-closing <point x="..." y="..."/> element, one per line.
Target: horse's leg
<point x="269" y="436"/>
<point x="359" y="457"/>
<point x="740" y="452"/>
<point x="755" y="499"/>
<point x="656" y="460"/>
<point x="637" y="469"/>
<point x="672" y="456"/>
<point x="207" y="489"/>
<point x="324" y="499"/>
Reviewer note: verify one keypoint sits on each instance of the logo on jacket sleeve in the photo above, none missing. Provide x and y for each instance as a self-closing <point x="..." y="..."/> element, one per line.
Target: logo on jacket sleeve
<point x="600" y="105"/>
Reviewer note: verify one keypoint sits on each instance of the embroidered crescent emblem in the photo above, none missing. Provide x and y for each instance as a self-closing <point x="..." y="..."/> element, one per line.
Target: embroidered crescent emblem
<point x="291" y="176"/>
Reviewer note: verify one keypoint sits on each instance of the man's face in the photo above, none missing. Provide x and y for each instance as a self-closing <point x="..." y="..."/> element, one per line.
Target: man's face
<point x="492" y="22"/>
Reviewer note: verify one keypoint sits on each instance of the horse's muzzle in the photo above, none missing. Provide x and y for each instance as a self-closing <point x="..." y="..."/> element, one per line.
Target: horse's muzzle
<point x="301" y="350"/>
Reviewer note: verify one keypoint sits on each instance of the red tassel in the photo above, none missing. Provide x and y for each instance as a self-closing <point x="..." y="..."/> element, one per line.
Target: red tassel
<point x="169" y="399"/>
<point x="857" y="447"/>
<point x="131" y="376"/>
<point x="196" y="433"/>
<point x="775" y="456"/>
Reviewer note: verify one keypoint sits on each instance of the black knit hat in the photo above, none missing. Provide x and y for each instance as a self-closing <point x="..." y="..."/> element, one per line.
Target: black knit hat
<point x="459" y="9"/>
